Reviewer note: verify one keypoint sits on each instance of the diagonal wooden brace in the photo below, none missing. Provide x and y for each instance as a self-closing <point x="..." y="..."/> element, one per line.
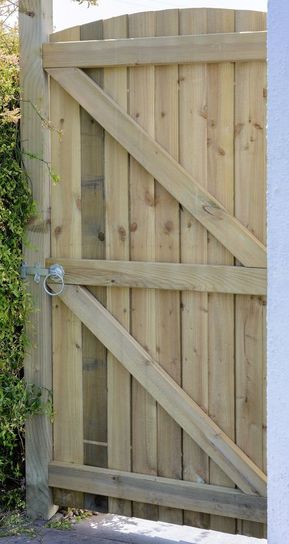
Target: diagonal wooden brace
<point x="162" y="166"/>
<point x="199" y="426"/>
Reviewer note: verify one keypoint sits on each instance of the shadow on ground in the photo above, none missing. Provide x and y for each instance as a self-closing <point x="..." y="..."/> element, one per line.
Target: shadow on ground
<point x="112" y="529"/>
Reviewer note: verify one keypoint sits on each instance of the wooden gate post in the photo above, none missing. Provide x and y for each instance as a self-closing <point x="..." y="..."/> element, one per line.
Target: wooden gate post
<point x="35" y="21"/>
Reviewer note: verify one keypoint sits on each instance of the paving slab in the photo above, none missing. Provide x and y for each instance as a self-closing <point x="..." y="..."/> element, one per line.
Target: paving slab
<point x="113" y="529"/>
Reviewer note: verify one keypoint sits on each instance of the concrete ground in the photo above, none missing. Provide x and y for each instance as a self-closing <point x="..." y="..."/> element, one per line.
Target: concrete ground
<point x="112" y="529"/>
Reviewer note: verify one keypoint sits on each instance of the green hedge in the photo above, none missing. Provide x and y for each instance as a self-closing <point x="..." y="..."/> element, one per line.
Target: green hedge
<point x="17" y="400"/>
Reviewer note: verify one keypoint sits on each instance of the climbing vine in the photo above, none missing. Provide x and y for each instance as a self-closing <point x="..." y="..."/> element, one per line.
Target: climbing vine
<point x="18" y="400"/>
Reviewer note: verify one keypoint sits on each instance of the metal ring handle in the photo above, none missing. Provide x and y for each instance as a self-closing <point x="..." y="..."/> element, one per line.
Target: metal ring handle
<point x="56" y="274"/>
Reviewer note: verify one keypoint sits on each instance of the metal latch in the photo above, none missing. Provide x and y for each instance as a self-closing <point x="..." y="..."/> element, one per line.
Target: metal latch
<point x="54" y="274"/>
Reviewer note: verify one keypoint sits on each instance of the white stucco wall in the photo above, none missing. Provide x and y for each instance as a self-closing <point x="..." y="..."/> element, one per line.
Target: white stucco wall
<point x="278" y="251"/>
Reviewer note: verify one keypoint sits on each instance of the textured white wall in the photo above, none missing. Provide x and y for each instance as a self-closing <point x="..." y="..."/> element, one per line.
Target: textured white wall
<point x="278" y="247"/>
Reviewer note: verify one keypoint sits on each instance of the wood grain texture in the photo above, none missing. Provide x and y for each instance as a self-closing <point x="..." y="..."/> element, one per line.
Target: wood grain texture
<point x="193" y="156"/>
<point x="168" y="350"/>
<point x="157" y="490"/>
<point x="165" y="390"/>
<point x="94" y="355"/>
<point x="221" y="306"/>
<point x="36" y="140"/>
<point x="117" y="247"/>
<point x="142" y="247"/>
<point x="167" y="275"/>
<point x="183" y="207"/>
<point x="160" y="164"/>
<point x="66" y="240"/>
<point x="228" y="47"/>
<point x="250" y="313"/>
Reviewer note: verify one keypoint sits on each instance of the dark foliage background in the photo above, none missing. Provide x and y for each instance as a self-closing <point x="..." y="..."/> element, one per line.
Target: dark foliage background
<point x="17" y="399"/>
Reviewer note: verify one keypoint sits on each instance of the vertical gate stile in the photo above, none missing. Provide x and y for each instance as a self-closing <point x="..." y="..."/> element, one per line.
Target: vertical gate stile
<point x="193" y="156"/>
<point x="167" y="249"/>
<point x="66" y="242"/>
<point x="35" y="25"/>
<point x="221" y="306"/>
<point x="117" y="247"/>
<point x="250" y="160"/>
<point x="94" y="354"/>
<point x="142" y="247"/>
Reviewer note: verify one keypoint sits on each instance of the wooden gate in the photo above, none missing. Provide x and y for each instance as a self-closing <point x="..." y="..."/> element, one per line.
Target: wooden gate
<point x="158" y="136"/>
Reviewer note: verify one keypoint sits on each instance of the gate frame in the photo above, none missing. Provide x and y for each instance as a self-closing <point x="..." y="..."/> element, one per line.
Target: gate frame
<point x="35" y="26"/>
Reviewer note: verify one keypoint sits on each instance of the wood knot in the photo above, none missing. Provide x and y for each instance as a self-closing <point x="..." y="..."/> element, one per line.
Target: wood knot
<point x="57" y="230"/>
<point x="27" y="12"/>
<point x="215" y="212"/>
<point x="149" y="199"/>
<point x="133" y="227"/>
<point x="204" y="112"/>
<point x="221" y="151"/>
<point x="169" y="227"/>
<point x="101" y="236"/>
<point x="122" y="233"/>
<point x="238" y="128"/>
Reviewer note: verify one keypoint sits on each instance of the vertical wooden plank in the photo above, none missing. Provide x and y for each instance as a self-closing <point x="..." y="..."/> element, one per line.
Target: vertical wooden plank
<point x="250" y="191"/>
<point x="117" y="247"/>
<point x="35" y="25"/>
<point x="193" y="156"/>
<point x="221" y="306"/>
<point x="142" y="217"/>
<point x="66" y="242"/>
<point x="167" y="249"/>
<point x="93" y="247"/>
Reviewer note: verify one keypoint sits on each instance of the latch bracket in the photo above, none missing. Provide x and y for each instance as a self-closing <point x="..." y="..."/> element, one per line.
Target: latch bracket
<point x="37" y="271"/>
<point x="54" y="274"/>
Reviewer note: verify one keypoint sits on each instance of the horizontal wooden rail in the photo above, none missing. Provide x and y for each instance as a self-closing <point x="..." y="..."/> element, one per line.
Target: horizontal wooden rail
<point x="227" y="47"/>
<point x="209" y="499"/>
<point x="162" y="166"/>
<point x="186" y="277"/>
<point x="175" y="401"/>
